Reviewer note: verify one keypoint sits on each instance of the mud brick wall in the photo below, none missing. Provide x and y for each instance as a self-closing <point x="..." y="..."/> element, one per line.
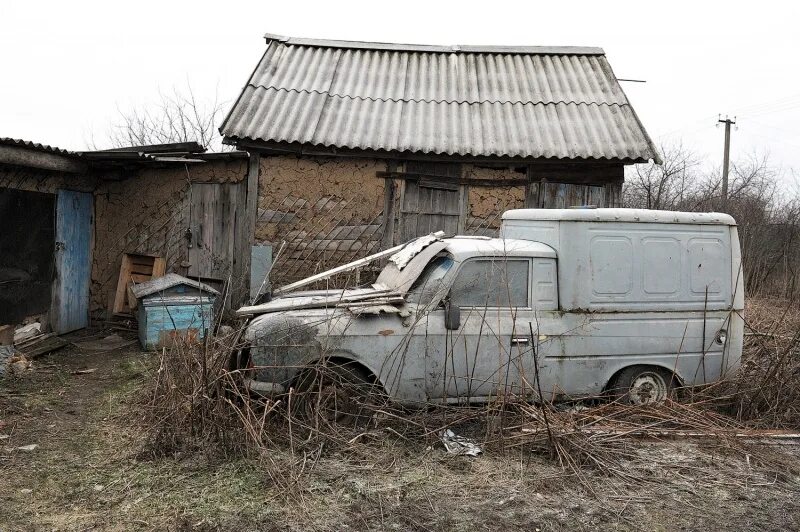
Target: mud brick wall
<point x="487" y="203"/>
<point x="327" y="210"/>
<point x="147" y="213"/>
<point x="43" y="180"/>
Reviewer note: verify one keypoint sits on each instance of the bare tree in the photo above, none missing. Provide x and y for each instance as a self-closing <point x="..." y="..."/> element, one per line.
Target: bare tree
<point x="767" y="214"/>
<point x="663" y="186"/>
<point x="176" y="117"/>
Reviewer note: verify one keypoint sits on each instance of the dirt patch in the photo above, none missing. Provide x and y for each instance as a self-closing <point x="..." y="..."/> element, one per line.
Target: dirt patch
<point x="88" y="472"/>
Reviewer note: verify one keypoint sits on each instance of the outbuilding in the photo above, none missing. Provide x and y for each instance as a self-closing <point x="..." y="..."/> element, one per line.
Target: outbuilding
<point x="360" y="145"/>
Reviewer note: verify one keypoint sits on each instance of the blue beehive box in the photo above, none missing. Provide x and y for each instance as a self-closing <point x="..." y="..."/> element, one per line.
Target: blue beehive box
<point x="173" y="307"/>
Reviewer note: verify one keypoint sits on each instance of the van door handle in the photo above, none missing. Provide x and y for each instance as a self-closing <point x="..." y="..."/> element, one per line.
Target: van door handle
<point x="516" y="340"/>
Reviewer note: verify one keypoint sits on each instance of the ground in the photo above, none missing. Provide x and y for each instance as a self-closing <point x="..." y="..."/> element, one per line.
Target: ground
<point x="89" y="471"/>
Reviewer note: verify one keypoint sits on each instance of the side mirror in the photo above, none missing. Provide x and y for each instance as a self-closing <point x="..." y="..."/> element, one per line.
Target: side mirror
<point x="452" y="316"/>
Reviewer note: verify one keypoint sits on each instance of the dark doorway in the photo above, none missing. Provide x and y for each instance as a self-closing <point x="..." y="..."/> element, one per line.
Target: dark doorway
<point x="27" y="244"/>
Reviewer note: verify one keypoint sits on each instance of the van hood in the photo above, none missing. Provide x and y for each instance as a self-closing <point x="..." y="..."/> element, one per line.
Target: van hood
<point x="359" y="300"/>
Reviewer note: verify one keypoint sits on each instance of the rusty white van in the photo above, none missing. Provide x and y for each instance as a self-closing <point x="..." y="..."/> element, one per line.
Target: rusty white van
<point x="567" y="303"/>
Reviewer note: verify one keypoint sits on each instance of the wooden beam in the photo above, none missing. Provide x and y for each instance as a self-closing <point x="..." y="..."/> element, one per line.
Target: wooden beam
<point x="21" y="156"/>
<point x="414" y="176"/>
<point x="247" y="237"/>
<point x="388" y="209"/>
<point x="284" y="148"/>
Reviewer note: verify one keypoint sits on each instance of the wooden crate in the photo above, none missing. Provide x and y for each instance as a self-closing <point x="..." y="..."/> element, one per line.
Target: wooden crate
<point x="135" y="269"/>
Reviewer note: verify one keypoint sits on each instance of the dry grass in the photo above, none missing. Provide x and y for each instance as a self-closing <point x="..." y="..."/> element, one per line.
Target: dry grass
<point x="90" y="471"/>
<point x="196" y="404"/>
<point x="766" y="391"/>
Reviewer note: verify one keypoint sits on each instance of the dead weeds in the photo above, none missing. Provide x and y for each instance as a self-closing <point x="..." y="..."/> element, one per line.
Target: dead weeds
<point x="151" y="442"/>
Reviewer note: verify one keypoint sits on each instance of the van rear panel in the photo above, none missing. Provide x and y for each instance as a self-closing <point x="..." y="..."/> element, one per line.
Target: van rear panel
<point x="623" y="266"/>
<point x="638" y="288"/>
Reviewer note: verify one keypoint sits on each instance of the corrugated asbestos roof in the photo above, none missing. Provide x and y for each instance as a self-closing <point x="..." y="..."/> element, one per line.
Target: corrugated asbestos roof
<point x="8" y="141"/>
<point x="533" y="102"/>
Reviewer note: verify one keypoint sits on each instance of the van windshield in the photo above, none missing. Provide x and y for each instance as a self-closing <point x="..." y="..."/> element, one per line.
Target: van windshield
<point x="429" y="281"/>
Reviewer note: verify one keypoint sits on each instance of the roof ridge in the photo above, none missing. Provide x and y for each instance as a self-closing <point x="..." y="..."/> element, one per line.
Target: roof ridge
<point x="427" y="100"/>
<point x="433" y="48"/>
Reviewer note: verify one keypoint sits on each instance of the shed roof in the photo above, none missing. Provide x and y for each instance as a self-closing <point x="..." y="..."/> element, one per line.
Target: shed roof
<point x="166" y="282"/>
<point x="528" y="102"/>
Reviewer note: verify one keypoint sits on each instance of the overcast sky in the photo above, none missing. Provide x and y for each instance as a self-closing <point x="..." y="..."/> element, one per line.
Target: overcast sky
<point x="67" y="67"/>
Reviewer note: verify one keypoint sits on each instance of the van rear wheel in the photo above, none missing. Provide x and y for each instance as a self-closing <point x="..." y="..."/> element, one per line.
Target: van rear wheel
<point x="643" y="385"/>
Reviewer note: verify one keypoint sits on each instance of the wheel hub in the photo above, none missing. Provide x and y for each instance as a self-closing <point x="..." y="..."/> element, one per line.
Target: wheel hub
<point x="648" y="388"/>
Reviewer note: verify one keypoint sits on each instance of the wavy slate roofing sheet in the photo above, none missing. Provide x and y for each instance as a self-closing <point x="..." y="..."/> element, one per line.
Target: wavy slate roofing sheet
<point x="531" y="102"/>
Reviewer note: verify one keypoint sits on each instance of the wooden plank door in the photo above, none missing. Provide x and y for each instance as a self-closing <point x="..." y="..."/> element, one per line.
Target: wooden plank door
<point x="428" y="204"/>
<point x="73" y="254"/>
<point x="216" y="215"/>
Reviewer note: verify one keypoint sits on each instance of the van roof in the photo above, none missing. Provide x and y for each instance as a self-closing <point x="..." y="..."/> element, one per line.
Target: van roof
<point x="620" y="215"/>
<point x="463" y="247"/>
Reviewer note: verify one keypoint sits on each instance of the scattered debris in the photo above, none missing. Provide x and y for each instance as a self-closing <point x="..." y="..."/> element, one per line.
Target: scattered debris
<point x="459" y="445"/>
<point x="27" y="332"/>
<point x="27" y="448"/>
<point x="18" y="364"/>
<point x="111" y="342"/>
<point x="41" y="345"/>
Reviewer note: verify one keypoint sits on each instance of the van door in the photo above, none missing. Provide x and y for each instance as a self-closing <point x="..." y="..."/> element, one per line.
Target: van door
<point x="484" y="358"/>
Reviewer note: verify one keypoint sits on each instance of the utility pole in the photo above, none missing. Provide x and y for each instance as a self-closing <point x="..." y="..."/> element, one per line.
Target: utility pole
<point x="727" y="155"/>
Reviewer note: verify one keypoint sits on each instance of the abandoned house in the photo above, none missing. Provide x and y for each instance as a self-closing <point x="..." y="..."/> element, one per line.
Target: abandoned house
<point x="78" y="226"/>
<point x="358" y="146"/>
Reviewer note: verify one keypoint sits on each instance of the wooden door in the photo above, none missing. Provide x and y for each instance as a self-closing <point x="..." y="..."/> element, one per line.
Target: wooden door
<point x="73" y="258"/>
<point x="429" y="204"/>
<point x="216" y="220"/>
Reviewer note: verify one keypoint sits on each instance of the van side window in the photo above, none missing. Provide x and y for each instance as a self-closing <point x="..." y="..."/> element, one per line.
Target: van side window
<point x="499" y="282"/>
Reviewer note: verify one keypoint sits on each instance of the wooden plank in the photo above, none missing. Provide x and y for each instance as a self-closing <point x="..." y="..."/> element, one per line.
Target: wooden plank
<point x="122" y="285"/>
<point x="46" y="344"/>
<point x="244" y="229"/>
<point x="388" y="212"/>
<point x="159" y="267"/>
<point x="443" y="179"/>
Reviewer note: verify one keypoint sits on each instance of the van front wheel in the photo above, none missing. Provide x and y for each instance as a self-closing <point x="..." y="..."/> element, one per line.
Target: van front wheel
<point x="643" y="385"/>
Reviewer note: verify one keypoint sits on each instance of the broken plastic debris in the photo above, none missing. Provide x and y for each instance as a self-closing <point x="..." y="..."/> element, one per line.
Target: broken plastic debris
<point x="459" y="445"/>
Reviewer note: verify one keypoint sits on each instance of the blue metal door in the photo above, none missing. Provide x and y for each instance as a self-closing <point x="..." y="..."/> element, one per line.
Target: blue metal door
<point x="74" y="220"/>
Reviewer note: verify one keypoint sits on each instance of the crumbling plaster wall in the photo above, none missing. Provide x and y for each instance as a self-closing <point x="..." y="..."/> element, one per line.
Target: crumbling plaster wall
<point x="147" y="213"/>
<point x="327" y="209"/>
<point x="487" y="203"/>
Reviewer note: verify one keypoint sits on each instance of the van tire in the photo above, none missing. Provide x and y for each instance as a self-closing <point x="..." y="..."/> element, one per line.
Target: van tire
<point x="335" y="393"/>
<point x="640" y="385"/>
